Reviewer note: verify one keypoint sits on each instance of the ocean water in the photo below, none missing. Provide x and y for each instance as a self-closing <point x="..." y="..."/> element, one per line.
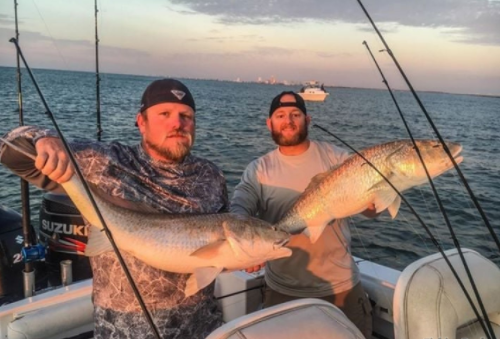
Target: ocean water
<point x="231" y="132"/>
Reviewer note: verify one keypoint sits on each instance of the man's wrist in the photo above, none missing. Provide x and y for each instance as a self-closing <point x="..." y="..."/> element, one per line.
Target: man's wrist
<point x="49" y="134"/>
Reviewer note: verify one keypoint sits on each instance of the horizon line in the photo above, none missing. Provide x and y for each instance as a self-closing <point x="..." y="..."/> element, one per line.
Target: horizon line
<point x="262" y="83"/>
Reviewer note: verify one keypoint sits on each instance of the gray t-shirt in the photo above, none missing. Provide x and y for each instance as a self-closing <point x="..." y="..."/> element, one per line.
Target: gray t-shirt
<point x="269" y="187"/>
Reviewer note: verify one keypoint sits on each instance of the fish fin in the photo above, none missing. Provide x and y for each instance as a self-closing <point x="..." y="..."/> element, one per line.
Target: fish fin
<point x="209" y="251"/>
<point x="281" y="253"/>
<point x="313" y="233"/>
<point x="383" y="199"/>
<point x="236" y="247"/>
<point x="233" y="242"/>
<point x="315" y="181"/>
<point x="382" y="185"/>
<point x="306" y="232"/>
<point x="97" y="243"/>
<point x="392" y="158"/>
<point x="394" y="207"/>
<point x="200" y="279"/>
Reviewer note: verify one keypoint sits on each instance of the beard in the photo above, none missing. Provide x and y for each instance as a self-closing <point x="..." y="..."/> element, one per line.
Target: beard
<point x="174" y="153"/>
<point x="294" y="140"/>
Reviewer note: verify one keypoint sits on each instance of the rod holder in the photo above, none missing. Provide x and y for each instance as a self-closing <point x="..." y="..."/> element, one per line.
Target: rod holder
<point x="66" y="272"/>
<point x="29" y="283"/>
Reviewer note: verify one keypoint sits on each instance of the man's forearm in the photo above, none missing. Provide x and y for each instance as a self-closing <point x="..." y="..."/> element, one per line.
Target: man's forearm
<point x="25" y="137"/>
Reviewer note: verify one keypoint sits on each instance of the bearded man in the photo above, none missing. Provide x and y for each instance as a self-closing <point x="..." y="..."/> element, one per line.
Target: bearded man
<point x="269" y="187"/>
<point x="159" y="173"/>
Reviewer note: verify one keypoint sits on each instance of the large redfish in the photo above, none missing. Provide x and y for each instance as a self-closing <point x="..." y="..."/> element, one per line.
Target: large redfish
<point x="203" y="245"/>
<point x="353" y="186"/>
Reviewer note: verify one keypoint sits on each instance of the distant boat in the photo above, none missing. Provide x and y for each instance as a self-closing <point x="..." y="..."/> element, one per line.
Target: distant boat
<point x="313" y="91"/>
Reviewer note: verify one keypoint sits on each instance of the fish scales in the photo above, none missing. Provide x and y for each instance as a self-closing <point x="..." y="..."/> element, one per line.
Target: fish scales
<point x="354" y="186"/>
<point x="203" y="245"/>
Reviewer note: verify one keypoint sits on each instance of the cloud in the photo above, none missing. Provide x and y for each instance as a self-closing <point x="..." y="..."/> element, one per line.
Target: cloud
<point x="383" y="27"/>
<point x="7" y="20"/>
<point x="180" y="11"/>
<point x="253" y="53"/>
<point x="271" y="51"/>
<point x="479" y="20"/>
<point x="223" y="39"/>
<point x="44" y="52"/>
<point x="25" y="37"/>
<point x="333" y="55"/>
<point x="28" y="38"/>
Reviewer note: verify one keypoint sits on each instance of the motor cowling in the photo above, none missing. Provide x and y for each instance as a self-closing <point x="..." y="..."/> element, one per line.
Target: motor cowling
<point x="11" y="260"/>
<point x="63" y="231"/>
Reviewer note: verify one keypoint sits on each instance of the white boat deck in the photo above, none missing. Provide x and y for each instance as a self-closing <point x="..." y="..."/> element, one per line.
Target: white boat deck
<point x="67" y="311"/>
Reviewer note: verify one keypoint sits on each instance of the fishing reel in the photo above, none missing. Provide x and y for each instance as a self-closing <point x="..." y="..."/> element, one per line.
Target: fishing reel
<point x="33" y="253"/>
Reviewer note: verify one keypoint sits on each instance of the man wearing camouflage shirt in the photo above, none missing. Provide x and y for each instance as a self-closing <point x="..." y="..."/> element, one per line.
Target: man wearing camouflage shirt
<point x="160" y="173"/>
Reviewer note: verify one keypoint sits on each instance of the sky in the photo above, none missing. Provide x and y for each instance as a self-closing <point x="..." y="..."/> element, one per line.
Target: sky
<point x="442" y="45"/>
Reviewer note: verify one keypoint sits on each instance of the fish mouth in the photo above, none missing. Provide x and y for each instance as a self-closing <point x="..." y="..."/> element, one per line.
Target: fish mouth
<point x="438" y="161"/>
<point x="280" y="243"/>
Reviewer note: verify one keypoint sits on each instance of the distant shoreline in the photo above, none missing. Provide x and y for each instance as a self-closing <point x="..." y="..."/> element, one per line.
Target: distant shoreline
<point x="262" y="83"/>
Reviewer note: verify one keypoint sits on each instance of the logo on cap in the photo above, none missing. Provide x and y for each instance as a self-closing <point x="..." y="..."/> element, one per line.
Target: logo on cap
<point x="178" y="94"/>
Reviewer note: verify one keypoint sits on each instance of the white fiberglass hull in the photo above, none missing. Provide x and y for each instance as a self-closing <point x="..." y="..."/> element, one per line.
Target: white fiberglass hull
<point x="67" y="311"/>
<point x="314" y="96"/>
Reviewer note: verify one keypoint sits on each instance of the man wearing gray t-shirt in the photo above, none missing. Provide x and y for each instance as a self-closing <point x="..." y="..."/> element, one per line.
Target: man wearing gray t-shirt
<point x="269" y="187"/>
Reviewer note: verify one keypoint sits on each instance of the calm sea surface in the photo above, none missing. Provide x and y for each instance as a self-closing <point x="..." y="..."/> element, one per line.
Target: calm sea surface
<point x="231" y="132"/>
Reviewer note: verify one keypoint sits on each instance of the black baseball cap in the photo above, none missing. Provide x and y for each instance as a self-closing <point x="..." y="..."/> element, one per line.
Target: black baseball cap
<point x="166" y="90"/>
<point x="276" y="103"/>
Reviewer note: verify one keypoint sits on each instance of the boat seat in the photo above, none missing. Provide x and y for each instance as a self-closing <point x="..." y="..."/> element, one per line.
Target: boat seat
<point x="297" y="319"/>
<point x="429" y="303"/>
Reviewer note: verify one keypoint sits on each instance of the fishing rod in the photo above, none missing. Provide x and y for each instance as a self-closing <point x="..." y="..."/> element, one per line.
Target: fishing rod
<point x="431" y="122"/>
<point x="261" y="287"/>
<point x="384" y="80"/>
<point x="29" y="272"/>
<point x="97" y="77"/>
<point x="436" y="195"/>
<point x="90" y="196"/>
<point x="455" y="165"/>
<point x="426" y="228"/>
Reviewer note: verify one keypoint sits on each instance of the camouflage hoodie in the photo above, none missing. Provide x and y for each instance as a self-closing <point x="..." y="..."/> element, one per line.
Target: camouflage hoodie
<point x="128" y="172"/>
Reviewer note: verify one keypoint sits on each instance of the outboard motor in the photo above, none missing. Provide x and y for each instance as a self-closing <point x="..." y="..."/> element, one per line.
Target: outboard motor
<point x="63" y="231"/>
<point x="11" y="260"/>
